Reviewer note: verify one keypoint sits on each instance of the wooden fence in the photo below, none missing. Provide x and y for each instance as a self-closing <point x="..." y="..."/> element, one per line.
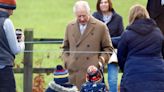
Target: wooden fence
<point x="28" y="69"/>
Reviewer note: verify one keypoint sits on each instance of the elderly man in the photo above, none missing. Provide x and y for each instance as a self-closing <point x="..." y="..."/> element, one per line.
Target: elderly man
<point x="87" y="42"/>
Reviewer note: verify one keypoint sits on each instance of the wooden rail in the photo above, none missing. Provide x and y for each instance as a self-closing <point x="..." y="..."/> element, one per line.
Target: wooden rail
<point x="28" y="69"/>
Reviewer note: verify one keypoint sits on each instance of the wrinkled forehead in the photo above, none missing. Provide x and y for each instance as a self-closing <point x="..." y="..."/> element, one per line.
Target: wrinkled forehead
<point x="81" y="12"/>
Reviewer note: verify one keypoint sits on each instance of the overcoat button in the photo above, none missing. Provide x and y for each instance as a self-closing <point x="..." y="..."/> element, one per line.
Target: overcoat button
<point x="77" y="46"/>
<point x="87" y="58"/>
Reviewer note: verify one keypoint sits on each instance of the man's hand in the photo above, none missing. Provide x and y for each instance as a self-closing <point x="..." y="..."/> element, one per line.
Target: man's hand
<point x="100" y="65"/>
<point x="102" y="60"/>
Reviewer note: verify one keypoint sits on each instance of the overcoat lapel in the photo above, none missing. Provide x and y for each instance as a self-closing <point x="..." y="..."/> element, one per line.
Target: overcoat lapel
<point x="77" y="33"/>
<point x="88" y="29"/>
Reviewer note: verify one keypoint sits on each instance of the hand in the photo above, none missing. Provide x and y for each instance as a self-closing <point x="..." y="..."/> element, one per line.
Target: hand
<point x="101" y="62"/>
<point x="21" y="38"/>
<point x="100" y="65"/>
<point x="102" y="59"/>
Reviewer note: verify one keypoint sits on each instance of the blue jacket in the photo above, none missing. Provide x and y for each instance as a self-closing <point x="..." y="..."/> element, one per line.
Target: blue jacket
<point x="93" y="87"/>
<point x="140" y="54"/>
<point x="115" y="26"/>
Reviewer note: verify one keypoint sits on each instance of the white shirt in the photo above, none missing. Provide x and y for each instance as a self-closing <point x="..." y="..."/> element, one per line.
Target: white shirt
<point x="82" y="28"/>
<point x="107" y="18"/>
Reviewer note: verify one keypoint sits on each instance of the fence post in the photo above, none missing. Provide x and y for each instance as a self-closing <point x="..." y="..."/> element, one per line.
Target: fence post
<point x="28" y="61"/>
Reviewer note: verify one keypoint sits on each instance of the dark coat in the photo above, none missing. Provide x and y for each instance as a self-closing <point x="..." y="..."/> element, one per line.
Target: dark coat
<point x="115" y="41"/>
<point x="163" y="50"/>
<point x="140" y="57"/>
<point x="115" y="26"/>
<point x="155" y="8"/>
<point x="156" y="11"/>
<point x="93" y="87"/>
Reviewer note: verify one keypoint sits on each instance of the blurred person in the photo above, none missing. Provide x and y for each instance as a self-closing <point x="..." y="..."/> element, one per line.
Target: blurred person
<point x="9" y="46"/>
<point x="87" y="42"/>
<point x="140" y="54"/>
<point x="156" y="11"/>
<point x="107" y="14"/>
<point x="60" y="82"/>
<point x="94" y="81"/>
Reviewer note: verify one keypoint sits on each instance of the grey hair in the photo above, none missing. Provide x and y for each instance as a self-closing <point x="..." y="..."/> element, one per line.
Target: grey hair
<point x="81" y="3"/>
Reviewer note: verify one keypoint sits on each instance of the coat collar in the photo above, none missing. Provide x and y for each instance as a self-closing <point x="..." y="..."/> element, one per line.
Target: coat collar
<point x="56" y="87"/>
<point x="77" y="35"/>
<point x="4" y="14"/>
<point x="101" y="15"/>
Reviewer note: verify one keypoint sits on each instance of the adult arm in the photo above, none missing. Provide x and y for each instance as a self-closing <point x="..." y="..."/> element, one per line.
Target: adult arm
<point x="106" y="46"/>
<point x="14" y="45"/>
<point x="115" y="41"/>
<point x="122" y="51"/>
<point x="65" y="47"/>
<point x="121" y="27"/>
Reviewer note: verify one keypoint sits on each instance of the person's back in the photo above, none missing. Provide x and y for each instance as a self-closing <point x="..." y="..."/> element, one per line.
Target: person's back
<point x="140" y="54"/>
<point x="144" y="46"/>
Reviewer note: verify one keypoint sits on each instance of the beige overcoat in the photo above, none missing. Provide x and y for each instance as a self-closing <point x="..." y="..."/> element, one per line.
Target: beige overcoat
<point x="83" y="49"/>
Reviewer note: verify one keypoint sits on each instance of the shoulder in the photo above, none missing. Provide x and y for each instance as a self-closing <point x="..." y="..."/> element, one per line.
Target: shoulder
<point x="62" y="87"/>
<point x="127" y="35"/>
<point x="8" y="21"/>
<point x="96" y="13"/>
<point x="8" y="24"/>
<point x="116" y="15"/>
<point x="72" y="22"/>
<point x="127" y="31"/>
<point x="158" y="32"/>
<point x="96" y="22"/>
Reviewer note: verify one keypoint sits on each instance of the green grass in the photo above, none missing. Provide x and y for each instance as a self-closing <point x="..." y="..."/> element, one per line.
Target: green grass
<point x="49" y="18"/>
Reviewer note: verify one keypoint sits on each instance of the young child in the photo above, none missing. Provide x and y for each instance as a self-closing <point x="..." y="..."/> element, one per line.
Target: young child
<point x="94" y="81"/>
<point x="60" y="82"/>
